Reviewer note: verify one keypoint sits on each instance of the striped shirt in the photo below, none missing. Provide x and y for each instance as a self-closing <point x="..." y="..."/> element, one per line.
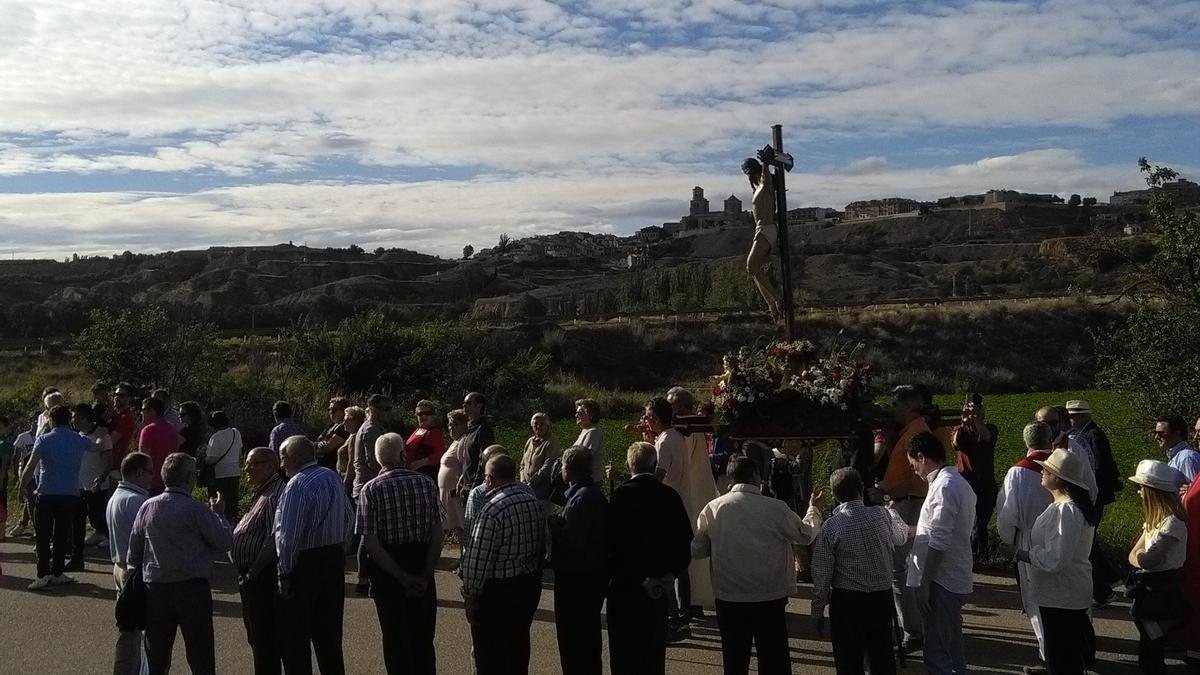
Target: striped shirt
<point x="255" y="527"/>
<point x="286" y="428"/>
<point x="509" y="538"/>
<point x="313" y="512"/>
<point x="175" y="538"/>
<point x="398" y="506"/>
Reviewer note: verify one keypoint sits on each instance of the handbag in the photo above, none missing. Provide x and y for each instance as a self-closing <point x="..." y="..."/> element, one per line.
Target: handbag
<point x="208" y="472"/>
<point x="131" y="602"/>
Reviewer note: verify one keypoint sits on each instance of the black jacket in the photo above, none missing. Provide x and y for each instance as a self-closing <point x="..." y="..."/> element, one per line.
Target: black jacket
<point x="477" y="439"/>
<point x="1108" y="477"/>
<point x="649" y="531"/>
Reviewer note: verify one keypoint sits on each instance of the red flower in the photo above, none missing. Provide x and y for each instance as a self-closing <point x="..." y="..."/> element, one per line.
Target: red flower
<point x="729" y="404"/>
<point x="716" y="391"/>
<point x="835" y="374"/>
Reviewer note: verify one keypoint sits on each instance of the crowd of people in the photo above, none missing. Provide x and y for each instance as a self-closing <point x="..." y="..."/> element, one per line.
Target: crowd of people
<point x="672" y="538"/>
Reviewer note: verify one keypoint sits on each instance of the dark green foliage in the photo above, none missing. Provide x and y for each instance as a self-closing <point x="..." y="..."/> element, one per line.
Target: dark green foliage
<point x="1156" y="355"/>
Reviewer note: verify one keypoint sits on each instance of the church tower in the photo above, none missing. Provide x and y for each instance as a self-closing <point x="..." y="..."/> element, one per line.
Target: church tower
<point x="699" y="203"/>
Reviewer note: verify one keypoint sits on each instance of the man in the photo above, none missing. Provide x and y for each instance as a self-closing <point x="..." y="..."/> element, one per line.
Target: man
<point x="1020" y="503"/>
<point x="478" y="438"/>
<point x="974" y="442"/>
<point x="169" y="414"/>
<point x="122" y="510"/>
<point x="57" y="457"/>
<point x="477" y="497"/>
<point x="285" y="427"/>
<point x="1108" y="477"/>
<point x="102" y="395"/>
<point x="253" y="555"/>
<point x="1060" y="430"/>
<point x="174" y="540"/>
<point x="650" y="539"/>
<point x="158" y="438"/>
<point x="379" y="409"/>
<point x="1171" y="435"/>
<point x="312" y="525"/>
<point x="907" y="493"/>
<point x="1080" y="436"/>
<point x="501" y="570"/>
<point x="940" y="565"/>
<point x="749" y="538"/>
<point x="852" y="575"/>
<point x="123" y="424"/>
<point x="695" y="585"/>
<point x="333" y="438"/>
<point x="400" y="521"/>
<point x="22" y="449"/>
<point x="672" y="450"/>
<point x="580" y="574"/>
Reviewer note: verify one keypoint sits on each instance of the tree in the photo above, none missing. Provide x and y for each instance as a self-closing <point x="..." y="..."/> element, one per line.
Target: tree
<point x="1156" y="354"/>
<point x="380" y="251"/>
<point x="468" y="251"/>
<point x="504" y="242"/>
<point x="1075" y="200"/>
<point x="1089" y="201"/>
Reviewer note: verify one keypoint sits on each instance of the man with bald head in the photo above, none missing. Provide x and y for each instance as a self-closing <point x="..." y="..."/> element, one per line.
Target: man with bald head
<point x="312" y="525"/>
<point x="502" y="570"/>
<point x="400" y="521"/>
<point x="253" y="555"/>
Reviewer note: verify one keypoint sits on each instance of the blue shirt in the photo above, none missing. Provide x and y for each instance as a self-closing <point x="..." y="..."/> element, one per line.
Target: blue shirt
<point x="1185" y="460"/>
<point x="578" y="535"/>
<point x="286" y="428"/>
<point x="122" y="510"/>
<point x="313" y="512"/>
<point x="176" y="538"/>
<point x="476" y="498"/>
<point x="61" y="451"/>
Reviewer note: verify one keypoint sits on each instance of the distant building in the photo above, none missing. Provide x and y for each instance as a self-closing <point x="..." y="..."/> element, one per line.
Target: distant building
<point x="699" y="205"/>
<point x="733" y="206"/>
<point x="875" y="208"/>
<point x="1182" y="192"/>
<point x="699" y="216"/>
<point x="808" y="214"/>
<point x="1014" y="197"/>
<point x="635" y="260"/>
<point x="649" y="235"/>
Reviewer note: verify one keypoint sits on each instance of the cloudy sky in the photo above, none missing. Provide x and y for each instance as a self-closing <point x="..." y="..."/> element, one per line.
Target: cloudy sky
<point x="429" y="124"/>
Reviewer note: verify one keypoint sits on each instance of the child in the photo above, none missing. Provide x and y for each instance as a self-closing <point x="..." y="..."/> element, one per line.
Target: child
<point x="1158" y="555"/>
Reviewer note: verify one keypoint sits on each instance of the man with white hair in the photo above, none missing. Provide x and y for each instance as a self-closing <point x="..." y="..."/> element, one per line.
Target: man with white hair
<point x="175" y="540"/>
<point x="312" y="525"/>
<point x="400" y="521"/>
<point x="1022" y="499"/>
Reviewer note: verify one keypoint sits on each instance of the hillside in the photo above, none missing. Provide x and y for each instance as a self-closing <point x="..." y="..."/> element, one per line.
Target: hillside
<point x="984" y="252"/>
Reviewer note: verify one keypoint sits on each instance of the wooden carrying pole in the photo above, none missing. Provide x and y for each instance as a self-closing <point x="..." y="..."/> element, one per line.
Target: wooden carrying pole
<point x="785" y="251"/>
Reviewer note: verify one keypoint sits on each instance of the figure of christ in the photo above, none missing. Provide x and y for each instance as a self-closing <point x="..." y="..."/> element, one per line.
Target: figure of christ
<point x="766" y="235"/>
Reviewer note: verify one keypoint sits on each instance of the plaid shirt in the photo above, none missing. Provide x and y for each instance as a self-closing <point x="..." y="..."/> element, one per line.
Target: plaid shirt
<point x="254" y="529"/>
<point x="398" y="506"/>
<point x="854" y="551"/>
<point x="508" y="539"/>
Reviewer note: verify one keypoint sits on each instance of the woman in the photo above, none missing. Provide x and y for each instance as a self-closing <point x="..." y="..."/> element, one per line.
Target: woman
<point x="591" y="436"/>
<point x="332" y="439"/>
<point x="93" y="483"/>
<point x="537" y="461"/>
<point x="1158" y="555"/>
<point x="766" y="234"/>
<point x="222" y="452"/>
<point x="425" y="444"/>
<point x="193" y="432"/>
<point x="353" y="418"/>
<point x="450" y="471"/>
<point x="1060" y="574"/>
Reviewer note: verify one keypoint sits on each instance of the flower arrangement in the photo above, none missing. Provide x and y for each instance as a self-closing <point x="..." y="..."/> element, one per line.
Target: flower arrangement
<point x="791" y="383"/>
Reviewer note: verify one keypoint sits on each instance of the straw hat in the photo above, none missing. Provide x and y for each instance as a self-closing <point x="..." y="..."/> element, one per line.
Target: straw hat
<point x="1154" y="474"/>
<point x="1074" y="407"/>
<point x="1067" y="466"/>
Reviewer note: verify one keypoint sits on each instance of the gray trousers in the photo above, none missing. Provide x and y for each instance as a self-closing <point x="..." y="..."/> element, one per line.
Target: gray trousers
<point x="944" y="651"/>
<point x="127" y="659"/>
<point x="907" y="612"/>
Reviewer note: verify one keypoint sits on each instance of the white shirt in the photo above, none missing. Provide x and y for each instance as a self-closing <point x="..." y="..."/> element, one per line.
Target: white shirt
<point x="1060" y="574"/>
<point x="23" y="445"/>
<point x="592" y="438"/>
<point x="945" y="525"/>
<point x="1022" y="499"/>
<point x="1173" y="537"/>
<point x="97" y="460"/>
<point x="749" y="538"/>
<point x="672" y="453"/>
<point x="223" y="440"/>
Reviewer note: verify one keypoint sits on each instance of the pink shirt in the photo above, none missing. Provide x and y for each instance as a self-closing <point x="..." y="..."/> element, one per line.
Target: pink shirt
<point x="158" y="439"/>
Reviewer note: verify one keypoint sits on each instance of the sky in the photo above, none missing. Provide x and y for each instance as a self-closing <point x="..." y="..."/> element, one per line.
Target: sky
<point x="152" y="125"/>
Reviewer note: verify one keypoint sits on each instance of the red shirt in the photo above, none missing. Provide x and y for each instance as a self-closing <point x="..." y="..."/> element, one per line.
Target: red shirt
<point x="423" y="448"/>
<point x="158" y="440"/>
<point x="124" y="422"/>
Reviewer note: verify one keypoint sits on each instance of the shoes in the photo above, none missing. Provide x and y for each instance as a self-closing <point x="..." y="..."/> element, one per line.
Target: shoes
<point x="678" y="632"/>
<point x="74" y="565"/>
<point x="62" y="579"/>
<point x="92" y="539"/>
<point x="912" y="645"/>
<point x="17" y="531"/>
<point x="40" y="583"/>
<point x="696" y="612"/>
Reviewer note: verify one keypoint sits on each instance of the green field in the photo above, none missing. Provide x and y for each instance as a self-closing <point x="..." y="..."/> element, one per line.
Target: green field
<point x="1131" y="442"/>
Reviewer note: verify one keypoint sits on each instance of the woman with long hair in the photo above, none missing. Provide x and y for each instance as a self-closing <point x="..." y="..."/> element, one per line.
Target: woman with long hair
<point x="1158" y="555"/>
<point x="1059" y="570"/>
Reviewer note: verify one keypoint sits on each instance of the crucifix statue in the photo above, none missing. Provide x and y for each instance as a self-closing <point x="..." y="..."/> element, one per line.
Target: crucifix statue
<point x="768" y="207"/>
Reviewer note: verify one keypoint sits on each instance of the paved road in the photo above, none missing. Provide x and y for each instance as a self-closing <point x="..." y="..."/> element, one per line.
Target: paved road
<point x="70" y="629"/>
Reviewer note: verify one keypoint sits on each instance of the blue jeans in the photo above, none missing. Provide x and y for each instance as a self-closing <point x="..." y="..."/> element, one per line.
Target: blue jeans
<point x="944" y="652"/>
